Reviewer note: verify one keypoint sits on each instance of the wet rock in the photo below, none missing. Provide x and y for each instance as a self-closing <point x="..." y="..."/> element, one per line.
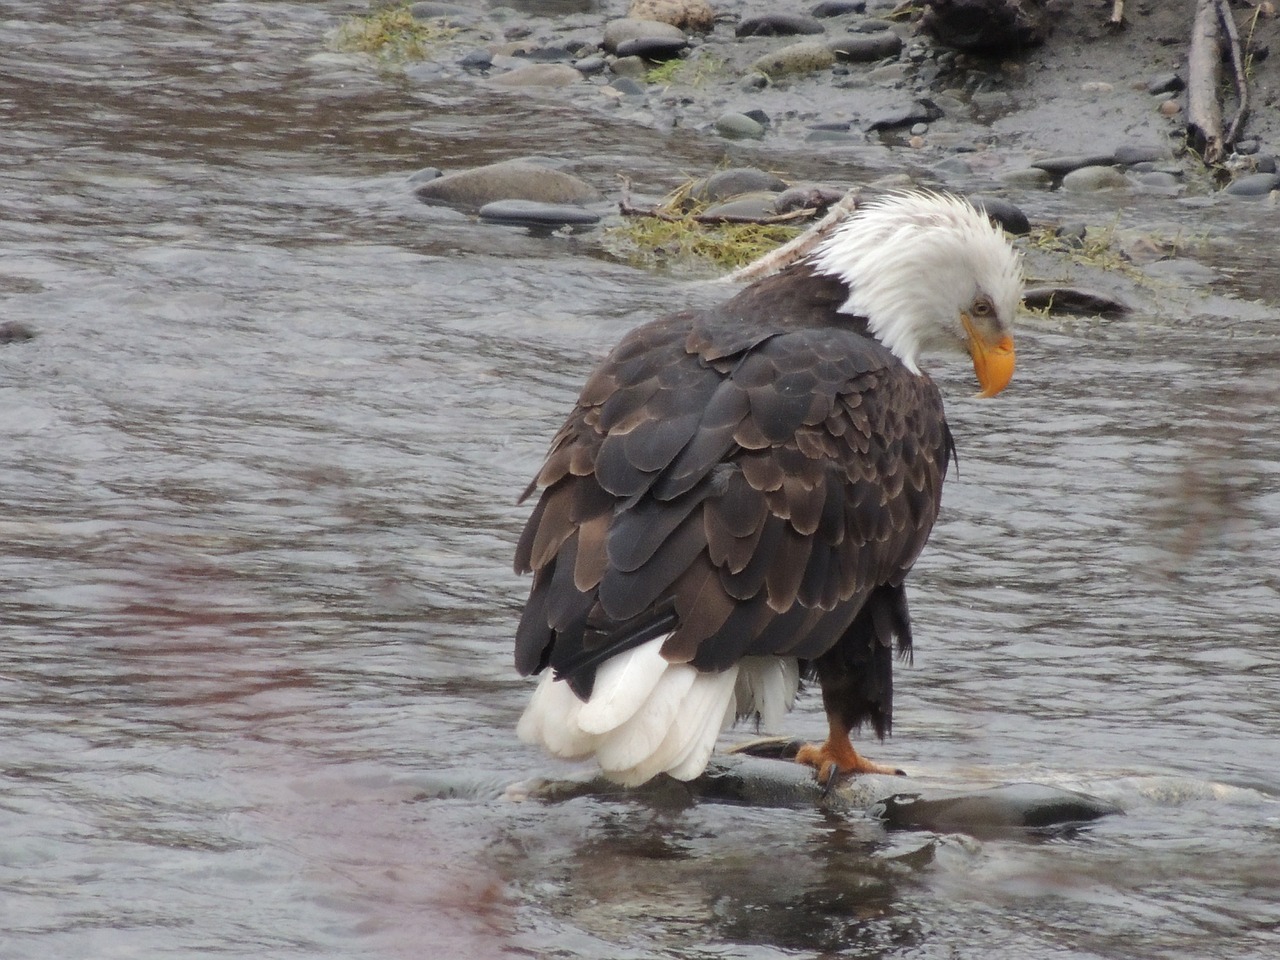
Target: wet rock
<point x="735" y="182"/>
<point x="738" y="126"/>
<point x="633" y="68"/>
<point x="476" y="60"/>
<point x="953" y="167"/>
<point x="1060" y="166"/>
<point x="1074" y="300"/>
<point x="838" y="8"/>
<point x="805" y="57"/>
<point x="538" y="75"/>
<point x="628" y="87"/>
<point x="989" y="26"/>
<point x="1130" y="154"/>
<point x="590" y="66"/>
<point x="1254" y="185"/>
<point x="1165" y="83"/>
<point x="805" y="196"/>
<point x="750" y="206"/>
<point x="1157" y="181"/>
<point x="1007" y="214"/>
<point x="620" y="31"/>
<point x="533" y="213"/>
<point x="687" y="14"/>
<point x="652" y="48"/>
<point x="453" y="12"/>
<point x="1088" y="179"/>
<point x="425" y="174"/>
<point x="1181" y="270"/>
<point x="866" y="47"/>
<point x="508" y="180"/>
<point x="918" y="111"/>
<point x="1001" y="810"/>
<point x="14" y="331"/>
<point x="778" y="25"/>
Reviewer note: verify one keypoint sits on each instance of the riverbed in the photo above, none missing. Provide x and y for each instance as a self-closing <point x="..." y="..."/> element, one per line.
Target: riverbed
<point x="261" y="461"/>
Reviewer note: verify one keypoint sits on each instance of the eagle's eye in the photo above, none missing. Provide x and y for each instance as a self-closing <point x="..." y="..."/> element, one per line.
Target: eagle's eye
<point x="982" y="307"/>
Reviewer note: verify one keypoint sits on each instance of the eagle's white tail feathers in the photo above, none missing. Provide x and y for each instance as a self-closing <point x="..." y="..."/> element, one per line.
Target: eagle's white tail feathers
<point x="623" y="683"/>
<point x="642" y="736"/>
<point x="647" y="716"/>
<point x="767" y="688"/>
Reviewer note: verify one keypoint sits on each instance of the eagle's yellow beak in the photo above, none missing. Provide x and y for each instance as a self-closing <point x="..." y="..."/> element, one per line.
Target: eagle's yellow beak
<point x="992" y="362"/>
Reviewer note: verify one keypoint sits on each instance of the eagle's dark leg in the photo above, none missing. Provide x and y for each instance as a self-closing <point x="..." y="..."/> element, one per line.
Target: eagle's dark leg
<point x="857" y="684"/>
<point x="837" y="756"/>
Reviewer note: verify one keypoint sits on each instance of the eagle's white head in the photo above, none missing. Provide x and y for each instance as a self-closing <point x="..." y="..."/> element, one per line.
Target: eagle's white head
<point x="928" y="271"/>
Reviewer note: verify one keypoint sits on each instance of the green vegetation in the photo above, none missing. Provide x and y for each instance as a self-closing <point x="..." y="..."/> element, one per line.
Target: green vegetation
<point x="673" y="236"/>
<point x="693" y="72"/>
<point x="391" y="33"/>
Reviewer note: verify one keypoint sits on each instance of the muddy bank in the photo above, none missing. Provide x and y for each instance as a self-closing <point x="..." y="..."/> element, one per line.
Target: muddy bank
<point x="863" y="83"/>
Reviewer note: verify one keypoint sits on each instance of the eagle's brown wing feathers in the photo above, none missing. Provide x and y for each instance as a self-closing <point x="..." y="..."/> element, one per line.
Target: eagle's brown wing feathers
<point x="747" y="493"/>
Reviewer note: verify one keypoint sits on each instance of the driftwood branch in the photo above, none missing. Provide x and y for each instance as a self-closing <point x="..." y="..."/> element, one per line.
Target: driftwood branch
<point x="1204" y="59"/>
<point x="793" y="250"/>
<point x="1116" y="20"/>
<point x="1238" y="70"/>
<point x="1212" y="29"/>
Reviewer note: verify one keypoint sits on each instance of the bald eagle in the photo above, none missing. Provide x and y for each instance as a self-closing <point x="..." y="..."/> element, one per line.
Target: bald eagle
<point x="736" y="500"/>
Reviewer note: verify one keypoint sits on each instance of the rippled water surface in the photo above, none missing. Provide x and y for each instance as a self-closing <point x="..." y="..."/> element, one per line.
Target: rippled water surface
<point x="257" y="484"/>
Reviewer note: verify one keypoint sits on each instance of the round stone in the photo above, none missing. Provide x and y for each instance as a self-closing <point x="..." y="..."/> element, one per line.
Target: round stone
<point x="805" y="57"/>
<point x="738" y="126"/>
<point x="533" y="213"/>
<point x="1094" y="178"/>
<point x="866" y="47"/>
<point x="778" y="25"/>
<point x="1254" y="185"/>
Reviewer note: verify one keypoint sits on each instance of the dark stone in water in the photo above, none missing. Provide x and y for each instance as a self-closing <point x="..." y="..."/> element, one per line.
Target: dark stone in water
<point x="1074" y="300"/>
<point x="867" y="47"/>
<point x="508" y="180"/>
<point x="1008" y="215"/>
<point x="652" y="48"/>
<point x="838" y="8"/>
<point x="1012" y="808"/>
<point x="920" y="111"/>
<point x="627" y="87"/>
<point x="534" y="214"/>
<point x="806" y="196"/>
<point x="476" y="60"/>
<point x="12" y="331"/>
<point x="1165" y="83"/>
<point x="1133" y="153"/>
<point x="734" y="182"/>
<point x="1059" y="166"/>
<point x="779" y="25"/>
<point x="1255" y="185"/>
<point x="590" y="66"/>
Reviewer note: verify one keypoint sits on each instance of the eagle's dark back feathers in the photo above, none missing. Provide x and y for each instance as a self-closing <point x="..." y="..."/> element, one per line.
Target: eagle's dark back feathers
<point x="753" y="479"/>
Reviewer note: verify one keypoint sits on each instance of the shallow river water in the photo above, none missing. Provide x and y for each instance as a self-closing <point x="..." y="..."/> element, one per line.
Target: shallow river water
<point x="257" y="491"/>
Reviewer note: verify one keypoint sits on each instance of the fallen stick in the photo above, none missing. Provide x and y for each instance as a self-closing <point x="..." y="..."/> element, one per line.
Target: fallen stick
<point x="1238" y="71"/>
<point x="793" y="250"/>
<point x="1117" y="14"/>
<point x="1204" y="113"/>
